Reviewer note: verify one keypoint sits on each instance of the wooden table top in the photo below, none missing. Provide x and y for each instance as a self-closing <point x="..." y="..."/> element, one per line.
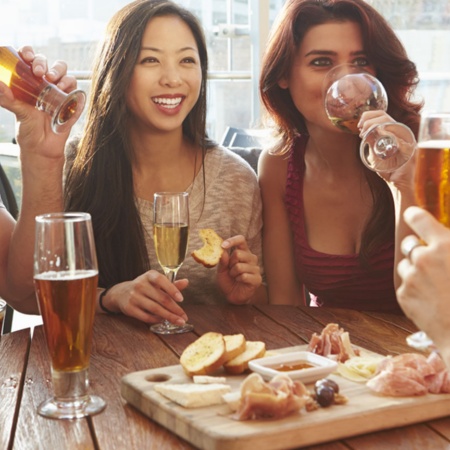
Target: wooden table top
<point x="123" y="345"/>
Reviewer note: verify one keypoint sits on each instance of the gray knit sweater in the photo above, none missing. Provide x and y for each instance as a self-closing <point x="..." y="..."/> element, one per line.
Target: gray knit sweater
<point x="232" y="205"/>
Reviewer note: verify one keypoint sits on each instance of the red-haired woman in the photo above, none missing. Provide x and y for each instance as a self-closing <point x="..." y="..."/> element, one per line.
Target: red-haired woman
<point x="330" y="224"/>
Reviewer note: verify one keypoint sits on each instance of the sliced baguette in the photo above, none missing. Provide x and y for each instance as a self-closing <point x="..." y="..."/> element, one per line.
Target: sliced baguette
<point x="234" y="345"/>
<point x="253" y="350"/>
<point x="205" y="355"/>
<point x="194" y="395"/>
<point x="209" y="255"/>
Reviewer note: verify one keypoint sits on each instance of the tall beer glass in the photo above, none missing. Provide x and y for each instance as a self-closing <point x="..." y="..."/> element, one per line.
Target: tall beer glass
<point x="65" y="276"/>
<point x="432" y="181"/>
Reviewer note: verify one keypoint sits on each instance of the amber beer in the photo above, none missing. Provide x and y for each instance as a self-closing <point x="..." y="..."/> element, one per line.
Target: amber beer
<point x="432" y="178"/>
<point x="67" y="304"/>
<point x="37" y="91"/>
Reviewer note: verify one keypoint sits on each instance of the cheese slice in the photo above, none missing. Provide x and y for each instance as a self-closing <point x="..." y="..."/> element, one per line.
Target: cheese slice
<point x="205" y="379"/>
<point x="194" y="395"/>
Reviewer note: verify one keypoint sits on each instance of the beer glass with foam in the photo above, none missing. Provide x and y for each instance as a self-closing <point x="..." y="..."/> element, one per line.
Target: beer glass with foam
<point x="432" y="181"/>
<point x="65" y="276"/>
<point x="65" y="109"/>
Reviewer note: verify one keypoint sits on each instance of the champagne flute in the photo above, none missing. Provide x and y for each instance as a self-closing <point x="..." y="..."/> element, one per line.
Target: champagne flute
<point x="432" y="182"/>
<point x="170" y="235"/>
<point x="348" y="92"/>
<point x="65" y="277"/>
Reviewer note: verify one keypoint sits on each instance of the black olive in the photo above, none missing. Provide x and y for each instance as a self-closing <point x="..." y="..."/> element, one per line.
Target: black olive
<point x="324" y="395"/>
<point x="328" y="382"/>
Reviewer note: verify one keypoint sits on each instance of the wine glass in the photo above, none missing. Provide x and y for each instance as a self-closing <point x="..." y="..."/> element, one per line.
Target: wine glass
<point x="170" y="235"/>
<point x="65" y="277"/>
<point x="432" y="182"/>
<point x="348" y="92"/>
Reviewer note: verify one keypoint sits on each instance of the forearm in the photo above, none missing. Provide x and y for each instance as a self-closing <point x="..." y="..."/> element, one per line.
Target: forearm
<point x="42" y="192"/>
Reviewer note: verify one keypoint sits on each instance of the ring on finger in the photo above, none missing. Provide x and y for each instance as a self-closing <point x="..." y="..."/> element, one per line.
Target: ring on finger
<point x="409" y="244"/>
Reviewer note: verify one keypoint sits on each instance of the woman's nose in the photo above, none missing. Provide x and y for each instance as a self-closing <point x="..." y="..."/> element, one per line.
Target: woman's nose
<point x="170" y="77"/>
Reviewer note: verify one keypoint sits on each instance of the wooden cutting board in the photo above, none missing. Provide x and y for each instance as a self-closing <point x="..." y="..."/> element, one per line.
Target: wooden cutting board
<point x="212" y="428"/>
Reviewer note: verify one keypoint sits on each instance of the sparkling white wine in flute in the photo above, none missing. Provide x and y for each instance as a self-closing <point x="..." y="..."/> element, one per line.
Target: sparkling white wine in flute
<point x="170" y="236"/>
<point x="432" y="181"/>
<point x="66" y="275"/>
<point x="65" y="109"/>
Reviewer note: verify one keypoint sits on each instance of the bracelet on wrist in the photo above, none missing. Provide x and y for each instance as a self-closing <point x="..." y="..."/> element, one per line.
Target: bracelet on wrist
<point x="103" y="307"/>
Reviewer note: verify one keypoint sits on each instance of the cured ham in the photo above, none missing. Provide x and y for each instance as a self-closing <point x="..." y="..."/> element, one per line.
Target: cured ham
<point x="275" y="399"/>
<point x="334" y="343"/>
<point x="411" y="374"/>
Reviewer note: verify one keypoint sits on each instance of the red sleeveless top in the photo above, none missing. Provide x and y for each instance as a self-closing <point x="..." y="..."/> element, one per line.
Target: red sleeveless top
<point x="336" y="280"/>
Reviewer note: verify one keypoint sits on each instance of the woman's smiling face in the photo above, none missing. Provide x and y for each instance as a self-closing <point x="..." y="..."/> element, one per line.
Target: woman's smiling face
<point x="323" y="47"/>
<point x="167" y="77"/>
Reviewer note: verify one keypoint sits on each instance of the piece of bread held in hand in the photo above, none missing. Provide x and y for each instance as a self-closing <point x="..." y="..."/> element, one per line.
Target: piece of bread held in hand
<point x="209" y="255"/>
<point x="238" y="365"/>
<point x="205" y="355"/>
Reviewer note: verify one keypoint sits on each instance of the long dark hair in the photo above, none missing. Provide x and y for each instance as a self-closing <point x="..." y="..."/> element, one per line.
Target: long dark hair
<point x="393" y="68"/>
<point x="100" y="180"/>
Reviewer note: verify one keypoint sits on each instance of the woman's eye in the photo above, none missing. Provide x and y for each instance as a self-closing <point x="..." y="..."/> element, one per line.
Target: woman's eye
<point x="321" y="62"/>
<point x="361" y="62"/>
<point x="149" y="60"/>
<point x="189" y="60"/>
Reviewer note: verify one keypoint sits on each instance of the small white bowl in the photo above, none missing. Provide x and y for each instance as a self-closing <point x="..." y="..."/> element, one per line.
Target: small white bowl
<point x="321" y="366"/>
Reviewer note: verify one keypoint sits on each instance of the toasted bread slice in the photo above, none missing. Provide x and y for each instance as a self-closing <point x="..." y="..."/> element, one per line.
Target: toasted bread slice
<point x="194" y="395"/>
<point x="205" y="355"/>
<point x="253" y="350"/>
<point x="209" y="255"/>
<point x="234" y="345"/>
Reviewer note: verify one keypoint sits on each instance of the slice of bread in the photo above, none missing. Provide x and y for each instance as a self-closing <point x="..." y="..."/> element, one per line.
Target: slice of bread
<point x="194" y="395"/>
<point x="209" y="255"/>
<point x="234" y="345"/>
<point x="253" y="350"/>
<point x="205" y="355"/>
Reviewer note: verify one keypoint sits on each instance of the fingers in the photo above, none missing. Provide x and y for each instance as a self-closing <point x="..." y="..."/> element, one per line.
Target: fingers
<point x="56" y="74"/>
<point x="153" y="297"/>
<point x="370" y="118"/>
<point x="424" y="224"/>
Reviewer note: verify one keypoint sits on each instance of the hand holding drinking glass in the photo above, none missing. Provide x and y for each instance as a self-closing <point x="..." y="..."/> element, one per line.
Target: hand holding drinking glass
<point x="66" y="275"/>
<point x="432" y="185"/>
<point x="64" y="109"/>
<point x="170" y="235"/>
<point x="349" y="91"/>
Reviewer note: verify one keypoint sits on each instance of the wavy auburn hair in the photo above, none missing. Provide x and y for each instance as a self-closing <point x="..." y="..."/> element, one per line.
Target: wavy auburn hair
<point x="393" y="68"/>
<point x="100" y="180"/>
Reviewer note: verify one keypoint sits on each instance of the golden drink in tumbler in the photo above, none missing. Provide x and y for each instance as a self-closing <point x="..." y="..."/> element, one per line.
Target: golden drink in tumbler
<point x="64" y="108"/>
<point x="67" y="304"/>
<point x="432" y="178"/>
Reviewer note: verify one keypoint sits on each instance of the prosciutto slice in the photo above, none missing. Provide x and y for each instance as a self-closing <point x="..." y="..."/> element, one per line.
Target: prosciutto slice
<point x="411" y="374"/>
<point x="333" y="342"/>
<point x="276" y="399"/>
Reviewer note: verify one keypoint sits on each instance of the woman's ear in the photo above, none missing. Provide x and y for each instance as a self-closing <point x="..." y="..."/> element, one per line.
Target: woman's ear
<point x="283" y="83"/>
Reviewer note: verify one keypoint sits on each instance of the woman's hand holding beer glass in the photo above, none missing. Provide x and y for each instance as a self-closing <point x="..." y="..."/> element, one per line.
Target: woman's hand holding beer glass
<point x="29" y="82"/>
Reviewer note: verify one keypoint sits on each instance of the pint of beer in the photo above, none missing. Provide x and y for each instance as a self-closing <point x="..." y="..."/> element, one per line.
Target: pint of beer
<point x="65" y="275"/>
<point x="64" y="108"/>
<point x="432" y="176"/>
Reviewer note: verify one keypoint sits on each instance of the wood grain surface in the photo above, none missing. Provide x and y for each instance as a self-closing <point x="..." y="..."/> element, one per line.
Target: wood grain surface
<point x="213" y="428"/>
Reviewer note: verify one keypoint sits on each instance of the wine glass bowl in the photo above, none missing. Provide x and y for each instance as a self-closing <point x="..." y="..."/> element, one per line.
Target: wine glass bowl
<point x="349" y="91"/>
<point x="170" y="236"/>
